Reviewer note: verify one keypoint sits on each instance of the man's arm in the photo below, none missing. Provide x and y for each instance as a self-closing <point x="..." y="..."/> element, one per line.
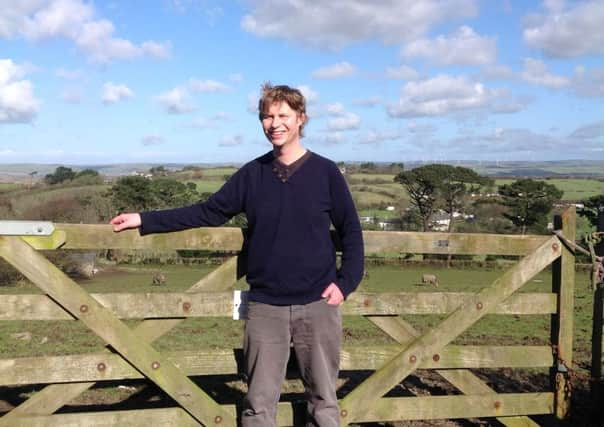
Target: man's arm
<point x="346" y="222"/>
<point x="218" y="209"/>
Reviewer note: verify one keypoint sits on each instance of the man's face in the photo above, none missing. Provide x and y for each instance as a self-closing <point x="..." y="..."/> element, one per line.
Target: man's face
<point x="281" y="124"/>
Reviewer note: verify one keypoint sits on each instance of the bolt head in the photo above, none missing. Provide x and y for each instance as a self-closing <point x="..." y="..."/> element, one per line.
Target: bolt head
<point x="478" y="306"/>
<point x="218" y="419"/>
<point x="343" y="413"/>
<point x="101" y="366"/>
<point x="412" y="358"/>
<point x="83" y="308"/>
<point x="436" y="357"/>
<point x="155" y="365"/>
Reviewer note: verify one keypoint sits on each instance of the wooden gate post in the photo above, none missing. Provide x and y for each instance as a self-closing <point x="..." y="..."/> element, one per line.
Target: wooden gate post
<point x="597" y="385"/>
<point x="563" y="284"/>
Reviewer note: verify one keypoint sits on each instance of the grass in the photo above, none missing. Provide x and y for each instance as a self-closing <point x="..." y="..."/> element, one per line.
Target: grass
<point x="208" y="186"/>
<point x="379" y="213"/>
<point x="6" y="187"/>
<point x="218" y="172"/>
<point x="574" y="189"/>
<point x="25" y="200"/>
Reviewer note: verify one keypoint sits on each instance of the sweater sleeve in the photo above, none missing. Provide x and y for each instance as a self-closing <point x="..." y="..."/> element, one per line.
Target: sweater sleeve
<point x="218" y="209"/>
<point x="346" y="222"/>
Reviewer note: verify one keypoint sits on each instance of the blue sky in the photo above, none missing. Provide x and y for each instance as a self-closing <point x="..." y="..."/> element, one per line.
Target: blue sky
<point x="386" y="80"/>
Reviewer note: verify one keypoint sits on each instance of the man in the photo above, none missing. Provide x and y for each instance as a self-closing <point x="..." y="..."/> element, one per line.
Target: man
<point x="291" y="197"/>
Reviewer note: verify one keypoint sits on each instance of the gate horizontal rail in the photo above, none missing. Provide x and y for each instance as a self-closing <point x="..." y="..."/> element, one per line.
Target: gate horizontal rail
<point x="70" y="375"/>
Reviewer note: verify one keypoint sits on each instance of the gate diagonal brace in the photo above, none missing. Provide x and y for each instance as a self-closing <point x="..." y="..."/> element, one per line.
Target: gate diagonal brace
<point x="105" y="324"/>
<point x="54" y="396"/>
<point x="462" y="379"/>
<point x="468" y="313"/>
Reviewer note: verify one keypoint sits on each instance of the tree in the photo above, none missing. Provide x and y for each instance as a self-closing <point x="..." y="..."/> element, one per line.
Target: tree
<point x="158" y="171"/>
<point x="368" y="166"/>
<point x="396" y="167"/>
<point x="528" y="202"/>
<point x="31" y="177"/>
<point x="136" y="193"/>
<point x="422" y="186"/>
<point x="592" y="208"/>
<point x="61" y="174"/>
<point x="132" y="193"/>
<point x="171" y="193"/>
<point x="455" y="184"/>
<point x="87" y="172"/>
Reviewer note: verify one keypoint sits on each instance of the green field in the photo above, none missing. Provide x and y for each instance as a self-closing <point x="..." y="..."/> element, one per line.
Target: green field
<point x="574" y="189"/>
<point x="208" y="186"/>
<point x="218" y="172"/>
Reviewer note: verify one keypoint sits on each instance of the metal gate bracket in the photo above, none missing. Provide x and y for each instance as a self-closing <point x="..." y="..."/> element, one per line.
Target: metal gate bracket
<point x="26" y="228"/>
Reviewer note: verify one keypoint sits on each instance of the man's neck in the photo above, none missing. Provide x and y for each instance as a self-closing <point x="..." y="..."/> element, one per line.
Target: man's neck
<point x="288" y="154"/>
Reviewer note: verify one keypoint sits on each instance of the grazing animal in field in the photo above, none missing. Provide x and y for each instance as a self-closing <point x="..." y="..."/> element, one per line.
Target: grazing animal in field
<point x="430" y="279"/>
<point x="159" y="279"/>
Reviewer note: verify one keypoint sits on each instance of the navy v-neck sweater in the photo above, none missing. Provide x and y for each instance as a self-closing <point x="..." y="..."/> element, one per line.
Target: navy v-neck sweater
<point x="291" y="257"/>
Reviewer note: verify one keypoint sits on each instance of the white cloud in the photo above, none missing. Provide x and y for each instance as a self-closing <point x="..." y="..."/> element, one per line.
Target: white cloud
<point x="439" y="96"/>
<point x="74" y="20"/>
<point x="503" y="102"/>
<point x="591" y="131"/>
<point x="497" y="72"/>
<point x="151" y="140"/>
<point x="402" y="72"/>
<point x="335" y="71"/>
<point x="252" y="102"/>
<point x="17" y="101"/>
<point x="208" y="86"/>
<point x="536" y="72"/>
<point x="113" y="93"/>
<point x="331" y="138"/>
<point x="567" y="32"/>
<point x="588" y="83"/>
<point x="345" y="121"/>
<point x="236" y="77"/>
<point x="231" y="141"/>
<point x="512" y="141"/>
<point x="72" y="96"/>
<point x="210" y="122"/>
<point x="420" y="128"/>
<point x="310" y="95"/>
<point x="374" y="137"/>
<point x="69" y="74"/>
<point x="371" y="101"/>
<point x="464" y="47"/>
<point x="335" y="109"/>
<point x="337" y="23"/>
<point x="175" y="101"/>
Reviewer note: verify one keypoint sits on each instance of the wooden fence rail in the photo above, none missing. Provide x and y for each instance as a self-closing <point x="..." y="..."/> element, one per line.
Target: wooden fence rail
<point x="131" y="355"/>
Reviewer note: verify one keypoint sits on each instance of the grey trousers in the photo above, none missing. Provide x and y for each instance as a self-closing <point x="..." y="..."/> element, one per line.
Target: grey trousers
<point x="315" y="330"/>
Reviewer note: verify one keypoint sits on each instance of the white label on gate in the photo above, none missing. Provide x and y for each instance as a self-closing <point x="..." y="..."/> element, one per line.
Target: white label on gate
<point x="239" y="305"/>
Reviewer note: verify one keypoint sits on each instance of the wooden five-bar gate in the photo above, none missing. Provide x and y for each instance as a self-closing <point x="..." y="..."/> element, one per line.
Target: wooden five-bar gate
<point x="129" y="353"/>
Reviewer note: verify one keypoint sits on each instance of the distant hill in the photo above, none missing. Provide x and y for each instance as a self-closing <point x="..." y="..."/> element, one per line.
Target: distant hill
<point x="537" y="169"/>
<point x="21" y="172"/>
